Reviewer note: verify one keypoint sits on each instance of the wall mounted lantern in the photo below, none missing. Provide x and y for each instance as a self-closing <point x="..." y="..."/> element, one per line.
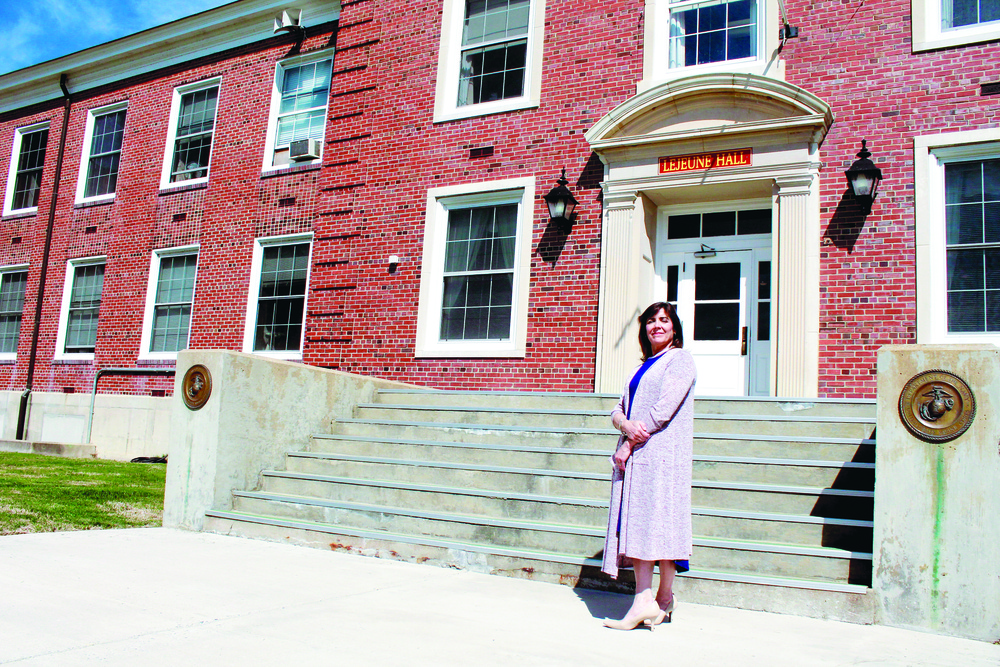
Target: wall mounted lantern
<point x="561" y="202"/>
<point x="864" y="177"/>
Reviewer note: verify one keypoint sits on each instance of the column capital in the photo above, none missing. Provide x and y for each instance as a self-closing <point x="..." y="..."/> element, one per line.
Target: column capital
<point x="798" y="184"/>
<point x="620" y="200"/>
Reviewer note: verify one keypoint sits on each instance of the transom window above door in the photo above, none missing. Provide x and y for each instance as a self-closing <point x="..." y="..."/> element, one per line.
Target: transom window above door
<point x="719" y="223"/>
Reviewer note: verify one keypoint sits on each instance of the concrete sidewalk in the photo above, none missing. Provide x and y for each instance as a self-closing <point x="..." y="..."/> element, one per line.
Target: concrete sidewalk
<point x="168" y="597"/>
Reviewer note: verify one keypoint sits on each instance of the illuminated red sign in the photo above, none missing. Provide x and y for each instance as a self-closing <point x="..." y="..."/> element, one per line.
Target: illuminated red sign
<point x="741" y="157"/>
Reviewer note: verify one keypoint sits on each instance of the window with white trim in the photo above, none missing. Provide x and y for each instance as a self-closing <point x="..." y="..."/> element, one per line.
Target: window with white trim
<point x="27" y="161"/>
<point x="972" y="237"/>
<point x="102" y="148"/>
<point x="687" y="37"/>
<point x="13" y="281"/>
<point x="298" y="111"/>
<point x="490" y="59"/>
<point x="81" y="307"/>
<point x="957" y="211"/>
<point x="277" y="301"/>
<point x="169" y="299"/>
<point x="192" y="129"/>
<point x="474" y="283"/>
<point x="943" y="23"/>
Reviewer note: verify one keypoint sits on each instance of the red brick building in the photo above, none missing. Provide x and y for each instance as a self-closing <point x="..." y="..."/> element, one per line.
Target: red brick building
<point x="430" y="132"/>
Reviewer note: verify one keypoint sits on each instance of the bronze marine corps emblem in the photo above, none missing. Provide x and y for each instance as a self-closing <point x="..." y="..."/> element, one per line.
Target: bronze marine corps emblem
<point x="937" y="406"/>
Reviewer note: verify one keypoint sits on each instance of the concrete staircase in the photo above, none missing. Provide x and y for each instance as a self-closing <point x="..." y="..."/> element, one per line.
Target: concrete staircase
<point x="517" y="483"/>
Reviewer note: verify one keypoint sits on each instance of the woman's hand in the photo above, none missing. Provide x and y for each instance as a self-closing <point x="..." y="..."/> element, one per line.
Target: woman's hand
<point x="621" y="456"/>
<point x="635" y="432"/>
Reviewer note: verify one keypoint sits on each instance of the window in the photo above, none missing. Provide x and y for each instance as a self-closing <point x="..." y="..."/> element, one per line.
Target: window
<point x="474" y="284"/>
<point x="277" y="302"/>
<point x="972" y="234"/>
<point x="958" y="237"/>
<point x="192" y="127"/>
<point x="101" y="154"/>
<point x="687" y="37"/>
<point x="298" y="110"/>
<point x="711" y="32"/>
<point x="169" y="297"/>
<point x="490" y="59"/>
<point x="942" y="23"/>
<point x="13" y="281"/>
<point x="81" y="307"/>
<point x="27" y="160"/>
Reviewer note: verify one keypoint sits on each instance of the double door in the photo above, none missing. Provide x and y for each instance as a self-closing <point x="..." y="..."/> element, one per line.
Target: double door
<point x="723" y="299"/>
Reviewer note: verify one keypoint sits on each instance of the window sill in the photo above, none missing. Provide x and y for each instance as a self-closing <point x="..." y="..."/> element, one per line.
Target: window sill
<point x="297" y="169"/>
<point x="8" y="359"/>
<point x="469" y="352"/>
<point x="186" y="187"/>
<point x="484" y="109"/>
<point x="75" y="360"/>
<point x="157" y="361"/>
<point x="94" y="202"/>
<point x="23" y="213"/>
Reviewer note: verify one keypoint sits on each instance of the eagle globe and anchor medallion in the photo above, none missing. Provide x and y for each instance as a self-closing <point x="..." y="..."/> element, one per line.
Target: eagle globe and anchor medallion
<point x="937" y="406"/>
<point x="196" y="387"/>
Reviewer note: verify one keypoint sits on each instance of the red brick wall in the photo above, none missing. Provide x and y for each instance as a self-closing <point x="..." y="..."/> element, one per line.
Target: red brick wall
<point x="857" y="57"/>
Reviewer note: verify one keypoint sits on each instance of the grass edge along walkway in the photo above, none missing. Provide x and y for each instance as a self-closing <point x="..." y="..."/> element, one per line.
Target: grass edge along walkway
<point x="41" y="493"/>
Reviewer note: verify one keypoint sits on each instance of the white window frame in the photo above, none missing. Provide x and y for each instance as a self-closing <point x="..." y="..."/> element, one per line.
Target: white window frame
<point x="927" y="33"/>
<point x="656" y="48"/>
<point x="154" y="277"/>
<point x="272" y="119"/>
<point x="253" y="294"/>
<point x="175" y="109"/>
<point x="931" y="153"/>
<point x="15" y="155"/>
<point x="15" y="268"/>
<point x="71" y="266"/>
<point x="439" y="201"/>
<point x="449" y="63"/>
<point x="88" y="137"/>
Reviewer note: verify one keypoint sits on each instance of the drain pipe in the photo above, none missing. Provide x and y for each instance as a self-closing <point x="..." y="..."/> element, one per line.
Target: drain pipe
<point x="22" y="412"/>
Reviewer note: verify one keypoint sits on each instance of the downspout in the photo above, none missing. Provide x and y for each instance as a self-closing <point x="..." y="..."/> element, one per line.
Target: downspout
<point x="22" y="413"/>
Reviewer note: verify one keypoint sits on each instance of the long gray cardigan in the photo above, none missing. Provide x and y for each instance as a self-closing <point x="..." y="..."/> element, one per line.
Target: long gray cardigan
<point x="656" y="503"/>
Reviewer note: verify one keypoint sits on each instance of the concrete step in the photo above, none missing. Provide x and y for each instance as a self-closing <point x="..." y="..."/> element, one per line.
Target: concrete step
<point x="532" y="453"/>
<point x="822" y="563"/>
<point x="847" y="534"/>
<point x="450" y="465"/>
<point x="575" y="418"/>
<point x="607" y="402"/>
<point x="824" y="599"/>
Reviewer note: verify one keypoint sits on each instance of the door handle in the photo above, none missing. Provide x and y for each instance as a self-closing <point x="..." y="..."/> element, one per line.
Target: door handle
<point x="743" y="342"/>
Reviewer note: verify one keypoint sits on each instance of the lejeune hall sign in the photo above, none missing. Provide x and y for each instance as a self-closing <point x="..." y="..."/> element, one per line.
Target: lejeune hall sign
<point x="740" y="157"/>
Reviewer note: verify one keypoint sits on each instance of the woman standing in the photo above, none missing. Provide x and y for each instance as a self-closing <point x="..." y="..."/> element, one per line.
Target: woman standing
<point x="650" y="518"/>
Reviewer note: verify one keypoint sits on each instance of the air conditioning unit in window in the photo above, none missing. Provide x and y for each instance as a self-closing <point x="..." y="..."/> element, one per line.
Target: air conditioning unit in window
<point x="304" y="149"/>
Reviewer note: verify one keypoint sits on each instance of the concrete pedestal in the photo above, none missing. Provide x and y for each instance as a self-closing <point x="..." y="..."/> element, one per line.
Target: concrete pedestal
<point x="937" y="505"/>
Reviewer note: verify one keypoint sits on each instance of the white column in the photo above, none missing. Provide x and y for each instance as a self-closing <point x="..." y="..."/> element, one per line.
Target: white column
<point x="617" y="347"/>
<point x="796" y="359"/>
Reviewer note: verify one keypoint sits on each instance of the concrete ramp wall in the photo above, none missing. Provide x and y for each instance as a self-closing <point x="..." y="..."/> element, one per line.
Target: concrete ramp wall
<point x="258" y="409"/>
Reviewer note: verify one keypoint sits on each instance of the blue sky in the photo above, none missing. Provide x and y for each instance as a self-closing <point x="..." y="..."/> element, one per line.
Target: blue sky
<point x="45" y="29"/>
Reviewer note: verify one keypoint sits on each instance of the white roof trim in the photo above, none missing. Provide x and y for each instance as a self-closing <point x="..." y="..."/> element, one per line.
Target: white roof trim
<point x="236" y="24"/>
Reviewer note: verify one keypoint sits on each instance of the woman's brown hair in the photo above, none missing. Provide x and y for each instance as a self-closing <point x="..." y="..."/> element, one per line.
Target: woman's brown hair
<point x="648" y="314"/>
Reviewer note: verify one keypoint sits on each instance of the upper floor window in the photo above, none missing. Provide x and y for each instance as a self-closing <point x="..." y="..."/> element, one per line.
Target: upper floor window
<point x="958" y="13"/>
<point x="494" y="50"/>
<point x="298" y="112"/>
<point x="490" y="58"/>
<point x="27" y="161"/>
<point x="13" y="281"/>
<point x="277" y="300"/>
<point x="942" y="23"/>
<point x="102" y="149"/>
<point x="192" y="128"/>
<point x="710" y="32"/>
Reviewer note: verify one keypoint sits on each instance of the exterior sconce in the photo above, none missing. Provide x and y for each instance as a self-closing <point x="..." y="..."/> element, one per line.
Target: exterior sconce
<point x="864" y="177"/>
<point x="561" y="203"/>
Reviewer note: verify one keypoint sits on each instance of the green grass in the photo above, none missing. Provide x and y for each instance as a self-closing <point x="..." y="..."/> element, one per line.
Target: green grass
<point x="41" y="494"/>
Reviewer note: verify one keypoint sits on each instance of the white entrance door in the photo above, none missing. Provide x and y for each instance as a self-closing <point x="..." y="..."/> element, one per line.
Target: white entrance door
<point x="723" y="301"/>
